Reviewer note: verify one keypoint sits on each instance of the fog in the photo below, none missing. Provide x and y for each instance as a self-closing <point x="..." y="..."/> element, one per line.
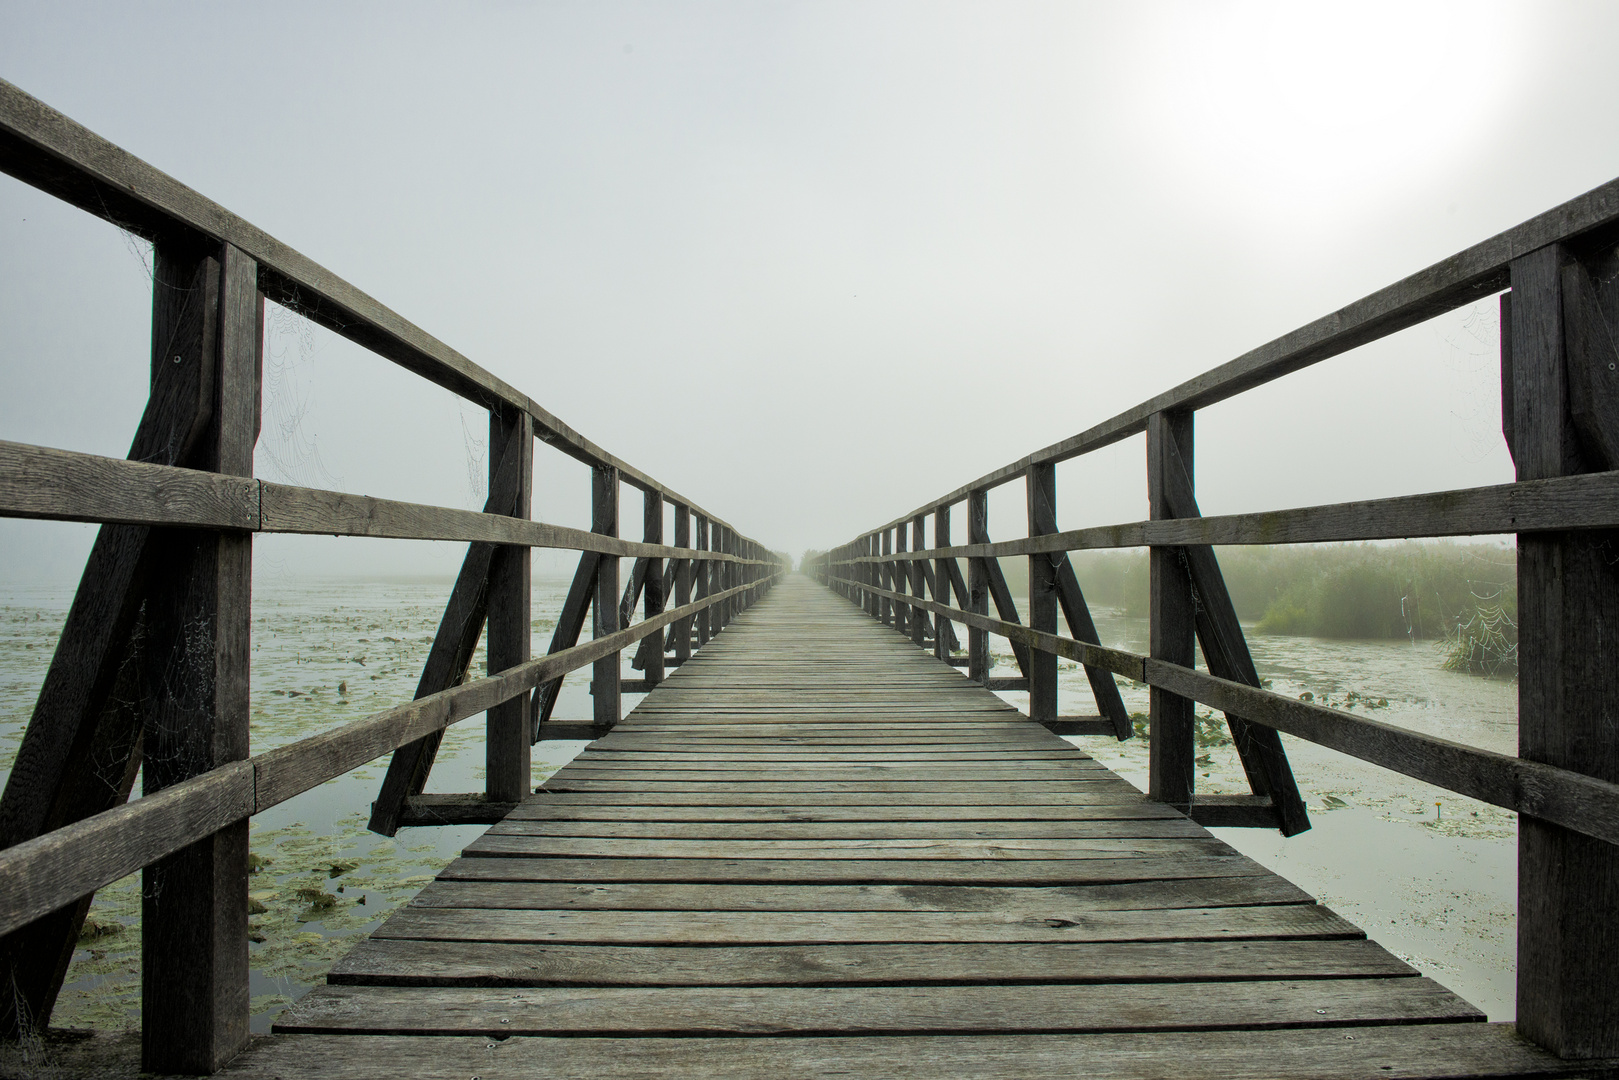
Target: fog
<point x="811" y="265"/>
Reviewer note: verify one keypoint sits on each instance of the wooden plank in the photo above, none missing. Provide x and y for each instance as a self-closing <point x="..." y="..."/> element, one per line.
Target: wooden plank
<point x="1334" y="1053"/>
<point x="551" y="847"/>
<point x="1024" y="871"/>
<point x="1151" y="895"/>
<point x="711" y="1011"/>
<point x="867" y="927"/>
<point x="659" y="828"/>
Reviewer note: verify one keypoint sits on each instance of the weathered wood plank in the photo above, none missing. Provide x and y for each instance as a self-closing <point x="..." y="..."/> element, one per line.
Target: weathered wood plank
<point x="871" y="927"/>
<point x="1439" y="1051"/>
<point x="711" y="1011"/>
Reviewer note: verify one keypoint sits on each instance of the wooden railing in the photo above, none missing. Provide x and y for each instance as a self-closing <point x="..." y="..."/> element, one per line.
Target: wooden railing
<point x="151" y="672"/>
<point x="1558" y="276"/>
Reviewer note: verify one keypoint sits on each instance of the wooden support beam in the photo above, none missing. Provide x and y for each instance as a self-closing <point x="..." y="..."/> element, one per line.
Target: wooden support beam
<point x="900" y="577"/>
<point x="194" y="965"/>
<point x="1563" y="389"/>
<point x="82" y="747"/>
<point x="507" y="763"/>
<point x="608" y="707"/>
<point x="705" y="581"/>
<point x="1080" y="625"/>
<point x="459" y="630"/>
<point x="570" y="623"/>
<point x="1225" y="650"/>
<point x="632" y="591"/>
<point x="1173" y="629"/>
<point x="470" y="809"/>
<point x="1041" y="484"/>
<point x="1006" y="607"/>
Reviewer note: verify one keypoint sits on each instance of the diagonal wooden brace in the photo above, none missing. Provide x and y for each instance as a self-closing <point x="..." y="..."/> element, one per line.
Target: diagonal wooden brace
<point x="1226" y="651"/>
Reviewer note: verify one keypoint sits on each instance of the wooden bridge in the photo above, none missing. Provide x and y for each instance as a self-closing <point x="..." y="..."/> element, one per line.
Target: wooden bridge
<point x="818" y="846"/>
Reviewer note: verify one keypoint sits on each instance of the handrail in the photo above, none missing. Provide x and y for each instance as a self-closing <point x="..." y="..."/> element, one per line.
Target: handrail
<point x="1560" y="418"/>
<point x="1574" y="800"/>
<point x="213" y="271"/>
<point x="66" y="485"/>
<point x="1469" y="275"/>
<point x="42" y="147"/>
<point x="43" y="874"/>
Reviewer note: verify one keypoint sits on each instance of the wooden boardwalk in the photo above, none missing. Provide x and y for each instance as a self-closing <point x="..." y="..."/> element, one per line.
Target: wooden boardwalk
<point x="817" y="850"/>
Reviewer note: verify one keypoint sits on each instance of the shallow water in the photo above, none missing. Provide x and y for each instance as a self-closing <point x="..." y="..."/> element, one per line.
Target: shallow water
<point x="324" y="654"/>
<point x="1436" y="886"/>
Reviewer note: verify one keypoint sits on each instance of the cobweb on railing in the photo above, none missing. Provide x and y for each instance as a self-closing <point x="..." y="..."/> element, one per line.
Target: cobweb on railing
<point x="287" y="444"/>
<point x="477" y="448"/>
<point x="1473" y="356"/>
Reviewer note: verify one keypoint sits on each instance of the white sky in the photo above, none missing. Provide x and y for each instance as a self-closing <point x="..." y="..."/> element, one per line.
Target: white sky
<point x="813" y="264"/>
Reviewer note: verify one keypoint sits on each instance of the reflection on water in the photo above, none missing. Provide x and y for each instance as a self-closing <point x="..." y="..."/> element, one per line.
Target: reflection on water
<point x="1430" y="874"/>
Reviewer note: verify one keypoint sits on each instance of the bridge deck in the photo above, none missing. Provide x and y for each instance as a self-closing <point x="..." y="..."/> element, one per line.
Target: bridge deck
<point x="815" y="849"/>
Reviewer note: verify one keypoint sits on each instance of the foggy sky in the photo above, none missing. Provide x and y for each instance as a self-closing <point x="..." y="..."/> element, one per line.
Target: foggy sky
<point x="812" y="264"/>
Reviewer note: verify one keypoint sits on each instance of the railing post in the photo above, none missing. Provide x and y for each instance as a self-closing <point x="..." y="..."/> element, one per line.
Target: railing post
<point x="977" y="586"/>
<point x="604" y="681"/>
<point x="683" y="583"/>
<point x="652" y="533"/>
<point x="902" y="579"/>
<point x="884" y="604"/>
<point x="941" y="583"/>
<point x="1557" y="368"/>
<point x="1173" y="631"/>
<point x="705" y="578"/>
<point x="507" y="745"/>
<point x="869" y="574"/>
<point x="722" y="579"/>
<point x="1041" y="483"/>
<point x="919" y="616"/>
<point x="194" y="964"/>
